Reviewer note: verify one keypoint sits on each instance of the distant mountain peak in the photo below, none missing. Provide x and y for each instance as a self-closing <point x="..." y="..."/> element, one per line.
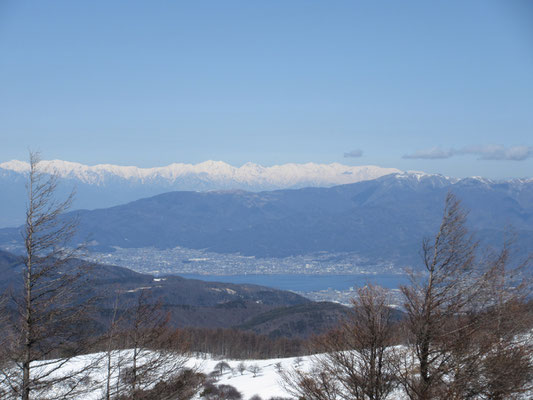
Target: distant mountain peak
<point x="418" y="179"/>
<point x="16" y="166"/>
<point x="220" y="174"/>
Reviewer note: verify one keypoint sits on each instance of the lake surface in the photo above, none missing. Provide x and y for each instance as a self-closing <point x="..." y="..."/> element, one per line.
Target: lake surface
<point x="307" y="283"/>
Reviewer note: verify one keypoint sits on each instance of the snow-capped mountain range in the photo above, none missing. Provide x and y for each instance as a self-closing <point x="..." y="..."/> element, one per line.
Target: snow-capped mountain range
<point x="216" y="173"/>
<point x="107" y="185"/>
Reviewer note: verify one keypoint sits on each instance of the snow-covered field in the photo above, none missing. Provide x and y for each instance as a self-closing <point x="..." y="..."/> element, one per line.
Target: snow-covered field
<point x="249" y="377"/>
<point x="265" y="382"/>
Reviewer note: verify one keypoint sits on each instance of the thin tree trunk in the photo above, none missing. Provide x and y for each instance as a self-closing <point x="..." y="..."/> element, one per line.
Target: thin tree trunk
<point x="26" y="364"/>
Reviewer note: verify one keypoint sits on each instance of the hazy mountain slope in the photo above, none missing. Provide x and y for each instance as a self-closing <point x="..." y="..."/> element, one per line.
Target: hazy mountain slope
<point x="108" y="185"/>
<point x="385" y="218"/>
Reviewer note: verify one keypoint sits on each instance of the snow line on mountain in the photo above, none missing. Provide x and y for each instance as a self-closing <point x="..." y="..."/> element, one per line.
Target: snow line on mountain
<point x="249" y="173"/>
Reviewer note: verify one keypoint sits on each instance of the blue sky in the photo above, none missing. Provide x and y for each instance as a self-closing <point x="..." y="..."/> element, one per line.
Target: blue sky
<point x="439" y="86"/>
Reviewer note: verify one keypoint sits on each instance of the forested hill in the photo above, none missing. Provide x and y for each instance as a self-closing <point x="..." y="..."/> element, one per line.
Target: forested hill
<point x="195" y="303"/>
<point x="107" y="280"/>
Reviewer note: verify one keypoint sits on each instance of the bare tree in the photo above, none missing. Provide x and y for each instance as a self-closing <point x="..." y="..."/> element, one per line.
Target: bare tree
<point x="5" y="354"/>
<point x="504" y="341"/>
<point x="466" y="334"/>
<point x="254" y="369"/>
<point x="113" y="356"/>
<point x="434" y="299"/>
<point x="316" y="384"/>
<point x="47" y="313"/>
<point x="222" y="366"/>
<point x="354" y="362"/>
<point x="466" y="318"/>
<point x="241" y="367"/>
<point x="153" y="355"/>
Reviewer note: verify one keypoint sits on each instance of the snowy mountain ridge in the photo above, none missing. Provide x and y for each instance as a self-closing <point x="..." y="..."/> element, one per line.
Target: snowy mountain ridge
<point x="249" y="174"/>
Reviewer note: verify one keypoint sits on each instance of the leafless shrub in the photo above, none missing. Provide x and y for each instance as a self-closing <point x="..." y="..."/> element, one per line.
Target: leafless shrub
<point x="278" y="367"/>
<point x="316" y="384"/>
<point x="217" y="392"/>
<point x="242" y="367"/>
<point x="254" y="369"/>
<point x="183" y="386"/>
<point x="222" y="366"/>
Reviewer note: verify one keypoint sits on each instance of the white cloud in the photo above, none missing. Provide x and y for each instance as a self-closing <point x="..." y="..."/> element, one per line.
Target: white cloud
<point x="485" y="152"/>
<point x="354" y="153"/>
<point x="434" y="153"/>
<point x="499" y="152"/>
